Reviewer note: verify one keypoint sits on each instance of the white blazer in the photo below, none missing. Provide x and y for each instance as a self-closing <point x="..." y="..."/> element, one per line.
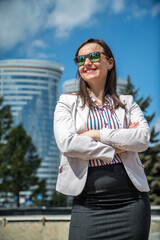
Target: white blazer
<point x="70" y="118"/>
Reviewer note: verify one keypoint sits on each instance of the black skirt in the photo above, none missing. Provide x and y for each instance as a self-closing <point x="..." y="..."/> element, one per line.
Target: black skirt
<point x="110" y="207"/>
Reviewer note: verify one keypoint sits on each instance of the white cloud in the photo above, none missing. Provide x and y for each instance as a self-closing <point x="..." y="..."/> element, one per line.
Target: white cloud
<point x="157" y="125"/>
<point x="139" y="12"/>
<point x="33" y="54"/>
<point x="155" y="10"/>
<point x="69" y="14"/>
<point x="118" y="5"/>
<point x="39" y="44"/>
<point x="22" y="20"/>
<point x="37" y="50"/>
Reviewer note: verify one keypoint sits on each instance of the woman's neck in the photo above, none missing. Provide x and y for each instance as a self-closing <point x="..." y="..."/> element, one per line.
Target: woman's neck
<point x="98" y="95"/>
<point x="97" y="90"/>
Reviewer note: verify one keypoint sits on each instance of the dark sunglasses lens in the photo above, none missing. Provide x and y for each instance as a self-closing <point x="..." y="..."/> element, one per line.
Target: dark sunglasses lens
<point x="95" y="56"/>
<point x="80" y="60"/>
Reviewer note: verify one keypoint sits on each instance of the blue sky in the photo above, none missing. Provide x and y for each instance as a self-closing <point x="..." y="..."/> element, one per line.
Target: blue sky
<point x="53" y="29"/>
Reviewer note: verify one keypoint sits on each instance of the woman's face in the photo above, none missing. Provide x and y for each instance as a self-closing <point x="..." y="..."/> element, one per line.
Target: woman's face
<point x="94" y="72"/>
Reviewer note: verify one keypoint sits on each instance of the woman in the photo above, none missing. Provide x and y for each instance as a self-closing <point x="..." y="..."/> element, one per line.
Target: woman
<point x="99" y="134"/>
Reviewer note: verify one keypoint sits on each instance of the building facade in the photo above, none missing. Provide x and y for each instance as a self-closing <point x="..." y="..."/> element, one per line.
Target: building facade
<point x="31" y="88"/>
<point x="72" y="85"/>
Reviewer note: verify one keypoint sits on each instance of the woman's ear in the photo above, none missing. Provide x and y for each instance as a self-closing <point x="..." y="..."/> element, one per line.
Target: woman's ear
<point x="111" y="63"/>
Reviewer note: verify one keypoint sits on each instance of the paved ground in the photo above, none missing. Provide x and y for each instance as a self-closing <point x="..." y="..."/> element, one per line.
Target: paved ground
<point x="52" y="227"/>
<point x="155" y="236"/>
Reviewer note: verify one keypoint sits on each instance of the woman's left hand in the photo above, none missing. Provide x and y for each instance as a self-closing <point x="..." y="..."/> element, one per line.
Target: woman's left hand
<point x="134" y="125"/>
<point x="95" y="134"/>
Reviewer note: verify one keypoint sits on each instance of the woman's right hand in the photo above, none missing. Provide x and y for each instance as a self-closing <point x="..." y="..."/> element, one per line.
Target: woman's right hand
<point x="117" y="150"/>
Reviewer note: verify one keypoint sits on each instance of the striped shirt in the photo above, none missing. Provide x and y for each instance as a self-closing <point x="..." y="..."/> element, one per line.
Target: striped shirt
<point x="103" y="117"/>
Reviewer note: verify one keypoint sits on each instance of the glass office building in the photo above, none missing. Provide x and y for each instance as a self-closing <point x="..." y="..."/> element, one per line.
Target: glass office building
<point x="31" y="88"/>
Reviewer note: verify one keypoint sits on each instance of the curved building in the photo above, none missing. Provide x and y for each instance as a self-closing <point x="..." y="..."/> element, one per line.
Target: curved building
<point x="31" y="88"/>
<point x="71" y="85"/>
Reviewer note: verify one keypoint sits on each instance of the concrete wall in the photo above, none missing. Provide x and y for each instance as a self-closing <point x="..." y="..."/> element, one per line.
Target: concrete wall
<point x="34" y="228"/>
<point x="46" y="228"/>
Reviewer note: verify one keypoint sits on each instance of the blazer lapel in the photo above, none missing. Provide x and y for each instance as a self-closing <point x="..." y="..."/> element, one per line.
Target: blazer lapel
<point x="120" y="112"/>
<point x="121" y="116"/>
<point x="81" y="122"/>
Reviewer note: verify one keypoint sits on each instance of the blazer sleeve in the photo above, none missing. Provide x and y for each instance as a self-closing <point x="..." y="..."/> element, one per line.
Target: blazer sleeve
<point x="134" y="140"/>
<point x="72" y="144"/>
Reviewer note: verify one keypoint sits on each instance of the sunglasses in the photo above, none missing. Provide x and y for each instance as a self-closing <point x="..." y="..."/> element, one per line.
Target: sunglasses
<point x="93" y="57"/>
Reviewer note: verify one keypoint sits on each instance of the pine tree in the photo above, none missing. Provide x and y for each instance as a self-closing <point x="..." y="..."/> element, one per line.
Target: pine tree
<point x="58" y="199"/>
<point x="5" y="126"/>
<point x="19" y="163"/>
<point x="5" y="120"/>
<point x="151" y="157"/>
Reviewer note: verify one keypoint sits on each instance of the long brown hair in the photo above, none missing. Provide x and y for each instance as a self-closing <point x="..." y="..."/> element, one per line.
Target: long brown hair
<point x="111" y="81"/>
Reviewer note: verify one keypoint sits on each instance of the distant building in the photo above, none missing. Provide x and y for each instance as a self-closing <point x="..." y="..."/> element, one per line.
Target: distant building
<point x="72" y="85"/>
<point x="31" y="87"/>
<point x="121" y="84"/>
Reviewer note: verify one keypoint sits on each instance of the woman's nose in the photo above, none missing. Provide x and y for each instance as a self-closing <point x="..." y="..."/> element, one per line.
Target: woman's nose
<point x="87" y="61"/>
